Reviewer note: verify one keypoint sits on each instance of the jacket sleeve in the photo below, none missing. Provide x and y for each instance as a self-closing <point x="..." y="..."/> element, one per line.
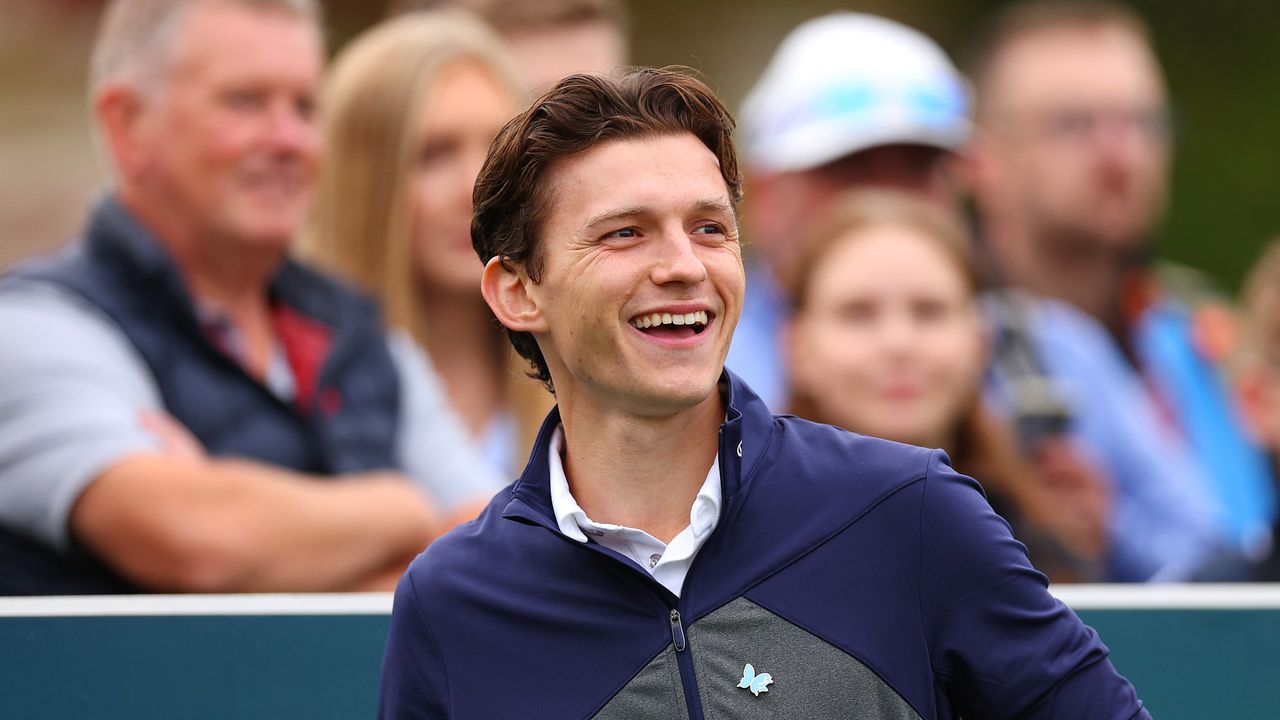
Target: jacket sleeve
<point x="414" y="683"/>
<point x="1000" y="644"/>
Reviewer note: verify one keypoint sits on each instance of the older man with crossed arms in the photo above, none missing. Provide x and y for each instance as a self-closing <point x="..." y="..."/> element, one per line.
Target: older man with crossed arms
<point x="176" y="392"/>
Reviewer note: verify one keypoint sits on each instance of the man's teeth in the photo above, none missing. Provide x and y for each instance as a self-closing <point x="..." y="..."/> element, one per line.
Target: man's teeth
<point x="655" y="319"/>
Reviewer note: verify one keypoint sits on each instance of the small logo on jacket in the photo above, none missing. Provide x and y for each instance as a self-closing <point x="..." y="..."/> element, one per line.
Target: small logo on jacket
<point x="753" y="682"/>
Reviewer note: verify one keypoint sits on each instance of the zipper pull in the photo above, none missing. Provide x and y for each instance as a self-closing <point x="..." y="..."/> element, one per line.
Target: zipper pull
<point x="677" y="631"/>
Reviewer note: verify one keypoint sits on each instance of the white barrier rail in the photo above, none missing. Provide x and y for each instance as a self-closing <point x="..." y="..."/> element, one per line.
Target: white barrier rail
<point x="1079" y="597"/>
<point x="162" y="605"/>
<point x="1206" y="596"/>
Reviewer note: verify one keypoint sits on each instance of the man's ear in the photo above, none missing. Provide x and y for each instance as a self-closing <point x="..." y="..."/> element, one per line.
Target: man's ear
<point x="506" y="287"/>
<point x="977" y="168"/>
<point x="118" y="111"/>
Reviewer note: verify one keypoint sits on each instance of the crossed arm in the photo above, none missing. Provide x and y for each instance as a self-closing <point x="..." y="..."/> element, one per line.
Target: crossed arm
<point x="85" y="454"/>
<point x="199" y="525"/>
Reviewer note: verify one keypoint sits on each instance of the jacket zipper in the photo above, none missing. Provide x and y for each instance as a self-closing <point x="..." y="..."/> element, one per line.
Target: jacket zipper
<point x="677" y="631"/>
<point x="684" y="660"/>
<point x="679" y="640"/>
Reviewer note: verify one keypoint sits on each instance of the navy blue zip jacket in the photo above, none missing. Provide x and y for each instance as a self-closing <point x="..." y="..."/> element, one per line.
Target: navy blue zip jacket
<point x="866" y="578"/>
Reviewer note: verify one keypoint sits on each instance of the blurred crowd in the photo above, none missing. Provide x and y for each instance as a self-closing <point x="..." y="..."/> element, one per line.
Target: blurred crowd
<point x="266" y="365"/>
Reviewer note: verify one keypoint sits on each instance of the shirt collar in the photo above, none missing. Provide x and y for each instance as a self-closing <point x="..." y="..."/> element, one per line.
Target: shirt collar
<point x="574" y="523"/>
<point x="228" y="338"/>
<point x="745" y="440"/>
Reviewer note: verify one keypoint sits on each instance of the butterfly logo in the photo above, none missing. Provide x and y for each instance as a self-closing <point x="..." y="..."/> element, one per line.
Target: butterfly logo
<point x="756" y="683"/>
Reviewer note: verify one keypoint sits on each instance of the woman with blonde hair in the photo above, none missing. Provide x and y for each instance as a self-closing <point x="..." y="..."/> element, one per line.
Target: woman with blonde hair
<point x="411" y="107"/>
<point x="887" y="339"/>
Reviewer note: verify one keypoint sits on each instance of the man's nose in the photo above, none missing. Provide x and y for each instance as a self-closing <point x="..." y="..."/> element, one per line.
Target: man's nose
<point x="291" y="128"/>
<point x="679" y="261"/>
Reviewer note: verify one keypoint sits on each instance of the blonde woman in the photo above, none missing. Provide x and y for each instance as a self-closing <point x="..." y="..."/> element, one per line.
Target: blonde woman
<point x="411" y="108"/>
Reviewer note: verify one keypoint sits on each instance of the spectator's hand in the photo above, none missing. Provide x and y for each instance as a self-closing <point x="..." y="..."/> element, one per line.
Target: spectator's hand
<point x="176" y="440"/>
<point x="466" y="512"/>
<point x="384" y="581"/>
<point x="387" y="580"/>
<point x="1080" y="504"/>
<point x="432" y="521"/>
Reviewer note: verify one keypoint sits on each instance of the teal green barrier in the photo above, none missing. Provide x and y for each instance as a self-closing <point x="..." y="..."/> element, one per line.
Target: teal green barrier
<point x="1186" y="663"/>
<point x="223" y="667"/>
<point x="1197" y="664"/>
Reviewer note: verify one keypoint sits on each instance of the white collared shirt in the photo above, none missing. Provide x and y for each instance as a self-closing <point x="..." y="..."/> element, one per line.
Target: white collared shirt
<point x="667" y="563"/>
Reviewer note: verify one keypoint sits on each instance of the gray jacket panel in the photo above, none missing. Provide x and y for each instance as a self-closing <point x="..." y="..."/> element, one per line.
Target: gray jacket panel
<point x="811" y="678"/>
<point x="655" y="692"/>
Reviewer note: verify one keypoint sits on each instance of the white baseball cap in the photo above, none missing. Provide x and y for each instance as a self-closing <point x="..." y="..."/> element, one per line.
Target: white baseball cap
<point x="846" y="82"/>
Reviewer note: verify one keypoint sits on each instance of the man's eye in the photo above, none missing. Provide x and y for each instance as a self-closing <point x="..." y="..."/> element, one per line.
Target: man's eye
<point x="1072" y="123"/>
<point x="305" y="106"/>
<point x="627" y="232"/>
<point x="710" y="229"/>
<point x="244" y="99"/>
<point x="1155" y="123"/>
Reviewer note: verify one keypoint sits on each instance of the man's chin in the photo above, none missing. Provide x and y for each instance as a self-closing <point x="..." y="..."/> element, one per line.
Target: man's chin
<point x="675" y="397"/>
<point x="268" y="239"/>
<point x="267" y="230"/>
<point x="1102" y="236"/>
<point x="1118" y="222"/>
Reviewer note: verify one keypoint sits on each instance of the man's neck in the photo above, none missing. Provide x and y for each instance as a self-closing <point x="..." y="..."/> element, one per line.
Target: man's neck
<point x="229" y="277"/>
<point x="1082" y="274"/>
<point x="640" y="472"/>
<point x="1086" y="277"/>
<point x="223" y="271"/>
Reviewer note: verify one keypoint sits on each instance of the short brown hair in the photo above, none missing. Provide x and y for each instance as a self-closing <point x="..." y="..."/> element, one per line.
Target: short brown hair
<point x="1020" y="20"/>
<point x="513" y="196"/>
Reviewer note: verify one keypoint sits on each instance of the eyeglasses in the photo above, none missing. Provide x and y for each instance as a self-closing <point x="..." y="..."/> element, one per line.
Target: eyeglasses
<point x="1080" y="124"/>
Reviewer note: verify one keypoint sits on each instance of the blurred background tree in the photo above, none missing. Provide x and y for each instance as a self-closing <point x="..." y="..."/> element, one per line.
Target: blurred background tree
<point x="1221" y="60"/>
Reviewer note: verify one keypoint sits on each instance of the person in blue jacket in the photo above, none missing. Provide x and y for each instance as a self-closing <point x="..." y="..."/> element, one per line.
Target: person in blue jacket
<point x="673" y="549"/>
<point x="1070" y="173"/>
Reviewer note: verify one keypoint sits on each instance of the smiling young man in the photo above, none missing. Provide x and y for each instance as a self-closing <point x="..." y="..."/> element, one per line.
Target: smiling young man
<point x="672" y="549"/>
